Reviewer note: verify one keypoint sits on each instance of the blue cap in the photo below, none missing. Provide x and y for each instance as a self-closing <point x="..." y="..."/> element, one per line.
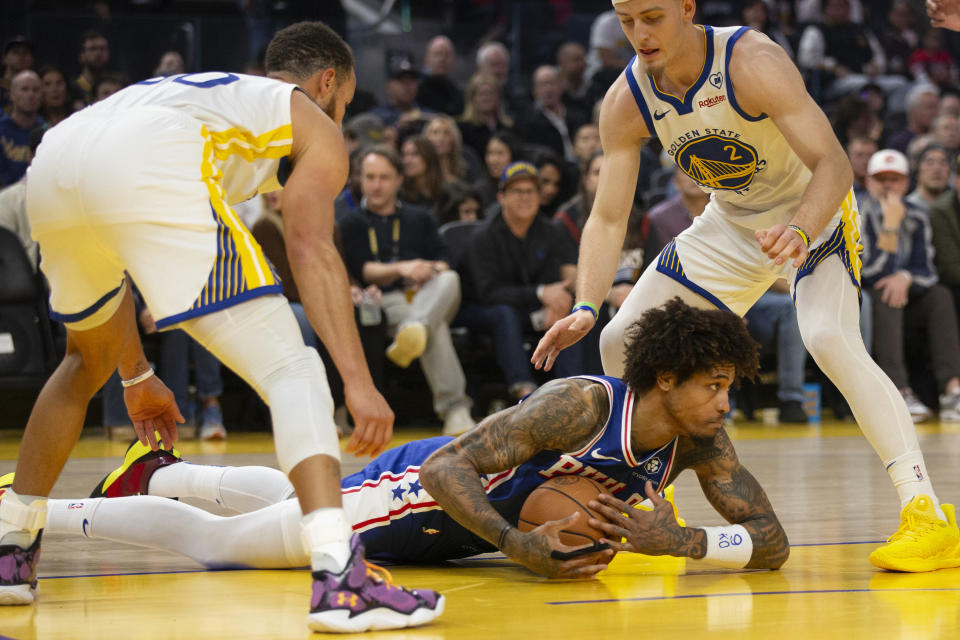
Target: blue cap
<point x="518" y="171"/>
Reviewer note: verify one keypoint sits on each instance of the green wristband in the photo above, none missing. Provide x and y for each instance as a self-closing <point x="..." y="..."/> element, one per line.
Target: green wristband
<point x="592" y="308"/>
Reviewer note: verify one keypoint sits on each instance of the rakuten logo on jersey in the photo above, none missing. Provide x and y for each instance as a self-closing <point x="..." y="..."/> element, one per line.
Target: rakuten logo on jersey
<point x="712" y="102"/>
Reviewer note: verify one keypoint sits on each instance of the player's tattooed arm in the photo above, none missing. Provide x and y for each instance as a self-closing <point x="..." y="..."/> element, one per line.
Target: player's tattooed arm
<point x="737" y="496"/>
<point x="562" y="416"/>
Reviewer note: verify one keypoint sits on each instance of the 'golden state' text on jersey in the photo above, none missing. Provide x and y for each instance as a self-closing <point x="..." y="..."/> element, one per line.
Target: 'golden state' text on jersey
<point x="742" y="160"/>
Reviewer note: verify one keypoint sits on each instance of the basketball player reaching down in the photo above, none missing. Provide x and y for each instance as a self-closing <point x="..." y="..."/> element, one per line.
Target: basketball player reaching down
<point x="142" y="184"/>
<point x="439" y="499"/>
<point x="731" y="110"/>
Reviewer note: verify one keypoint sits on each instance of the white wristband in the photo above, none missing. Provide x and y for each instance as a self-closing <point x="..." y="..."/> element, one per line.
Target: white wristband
<point x="140" y="378"/>
<point x="729" y="546"/>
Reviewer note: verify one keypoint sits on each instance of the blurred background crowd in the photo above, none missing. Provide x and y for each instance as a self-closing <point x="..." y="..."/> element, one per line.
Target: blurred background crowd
<point x="475" y="156"/>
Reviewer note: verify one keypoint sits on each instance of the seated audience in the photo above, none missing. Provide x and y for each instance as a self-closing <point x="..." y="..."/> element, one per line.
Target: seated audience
<point x="523" y="266"/>
<point x="553" y="182"/>
<point x="15" y="127"/>
<point x="94" y="58"/>
<point x="502" y="149"/>
<point x="401" y="110"/>
<point x="56" y="103"/>
<point x="17" y="57"/>
<point x="458" y="202"/>
<point x="396" y="247"/>
<point x="483" y="112"/>
<point x="548" y="121"/>
<point x="945" y="223"/>
<point x="437" y="91"/>
<point x="859" y="152"/>
<point x="898" y="269"/>
<point x="921" y="103"/>
<point x="932" y="171"/>
<point x="572" y="65"/>
<point x="456" y="161"/>
<point x="422" y="176"/>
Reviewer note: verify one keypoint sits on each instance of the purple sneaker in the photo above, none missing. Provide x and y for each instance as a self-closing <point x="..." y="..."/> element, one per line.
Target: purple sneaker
<point x="361" y="599"/>
<point x="18" y="573"/>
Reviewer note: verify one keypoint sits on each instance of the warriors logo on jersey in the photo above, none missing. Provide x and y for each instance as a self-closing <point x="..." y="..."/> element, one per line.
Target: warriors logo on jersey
<point x="718" y="162"/>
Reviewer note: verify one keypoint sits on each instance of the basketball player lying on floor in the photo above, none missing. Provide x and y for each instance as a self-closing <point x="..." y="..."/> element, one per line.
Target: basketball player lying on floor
<point x="440" y="498"/>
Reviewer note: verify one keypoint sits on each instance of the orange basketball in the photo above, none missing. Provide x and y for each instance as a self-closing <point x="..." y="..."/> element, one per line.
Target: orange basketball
<point x="558" y="498"/>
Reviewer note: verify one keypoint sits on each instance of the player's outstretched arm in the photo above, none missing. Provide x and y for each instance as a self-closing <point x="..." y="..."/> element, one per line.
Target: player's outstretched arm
<point x="767" y="82"/>
<point x="733" y="492"/>
<point x="622" y="133"/>
<point x="562" y="415"/>
<point x="319" y="172"/>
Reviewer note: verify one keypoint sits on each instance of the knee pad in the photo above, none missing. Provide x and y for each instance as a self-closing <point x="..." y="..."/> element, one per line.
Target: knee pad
<point x="301" y="409"/>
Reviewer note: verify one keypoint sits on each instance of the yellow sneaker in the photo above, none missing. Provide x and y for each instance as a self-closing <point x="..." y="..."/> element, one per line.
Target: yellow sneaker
<point x="923" y="542"/>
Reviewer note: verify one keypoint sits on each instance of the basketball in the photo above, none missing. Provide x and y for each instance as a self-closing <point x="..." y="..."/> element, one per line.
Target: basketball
<point x="558" y="498"/>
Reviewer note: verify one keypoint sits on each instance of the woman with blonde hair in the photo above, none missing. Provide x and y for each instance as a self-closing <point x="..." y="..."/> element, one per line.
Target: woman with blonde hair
<point x="483" y="112"/>
<point x="443" y="133"/>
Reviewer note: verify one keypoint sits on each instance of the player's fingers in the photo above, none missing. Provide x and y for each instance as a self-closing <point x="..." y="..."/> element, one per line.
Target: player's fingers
<point x="610" y="501"/>
<point x="612" y="529"/>
<point x="616" y="545"/>
<point x="151" y="434"/>
<point x="612" y="514"/>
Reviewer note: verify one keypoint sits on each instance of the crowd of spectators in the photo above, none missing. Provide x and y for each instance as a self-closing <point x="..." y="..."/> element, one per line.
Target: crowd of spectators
<point x="517" y="164"/>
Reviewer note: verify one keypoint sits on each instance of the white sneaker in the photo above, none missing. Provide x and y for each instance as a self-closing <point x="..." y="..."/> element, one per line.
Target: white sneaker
<point x="408" y="344"/>
<point x="950" y="407"/>
<point x="918" y="411"/>
<point x="458" y="421"/>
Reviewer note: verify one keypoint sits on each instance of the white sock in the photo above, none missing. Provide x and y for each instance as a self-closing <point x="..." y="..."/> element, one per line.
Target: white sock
<point x="909" y="475"/>
<point x="21" y="518"/>
<point x="72" y="516"/>
<point x="326" y="536"/>
<point x="240" y="489"/>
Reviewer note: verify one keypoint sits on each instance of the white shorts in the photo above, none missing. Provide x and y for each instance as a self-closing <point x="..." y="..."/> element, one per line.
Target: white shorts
<point x="721" y="260"/>
<point x="136" y="193"/>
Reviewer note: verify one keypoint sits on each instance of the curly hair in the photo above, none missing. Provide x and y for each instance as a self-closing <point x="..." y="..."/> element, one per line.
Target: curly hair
<point x="304" y="48"/>
<point x="680" y="339"/>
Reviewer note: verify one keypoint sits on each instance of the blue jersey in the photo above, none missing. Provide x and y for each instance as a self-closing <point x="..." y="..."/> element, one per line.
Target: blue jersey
<point x="388" y="491"/>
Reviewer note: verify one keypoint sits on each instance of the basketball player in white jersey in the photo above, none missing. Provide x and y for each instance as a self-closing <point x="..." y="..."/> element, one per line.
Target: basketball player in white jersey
<point x="731" y="110"/>
<point x="142" y="184"/>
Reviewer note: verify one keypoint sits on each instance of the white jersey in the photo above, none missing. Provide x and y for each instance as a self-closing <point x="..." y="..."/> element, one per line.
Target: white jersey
<point x="245" y="121"/>
<point x="743" y="161"/>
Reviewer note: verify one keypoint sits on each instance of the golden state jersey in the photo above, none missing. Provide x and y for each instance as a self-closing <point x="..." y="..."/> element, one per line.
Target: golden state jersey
<point x="743" y="161"/>
<point x="245" y="121"/>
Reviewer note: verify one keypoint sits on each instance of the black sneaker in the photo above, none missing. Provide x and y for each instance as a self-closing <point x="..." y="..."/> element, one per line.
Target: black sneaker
<point x="792" y="411"/>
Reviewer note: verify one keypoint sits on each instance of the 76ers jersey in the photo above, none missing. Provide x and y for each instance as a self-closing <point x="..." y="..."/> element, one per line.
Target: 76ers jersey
<point x="245" y="122"/>
<point x="388" y="490"/>
<point x="743" y="160"/>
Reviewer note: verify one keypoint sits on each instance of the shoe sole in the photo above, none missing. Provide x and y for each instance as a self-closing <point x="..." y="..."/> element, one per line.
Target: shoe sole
<point x="340" y="621"/>
<point x="916" y="565"/>
<point x="18" y="594"/>
<point x="408" y="345"/>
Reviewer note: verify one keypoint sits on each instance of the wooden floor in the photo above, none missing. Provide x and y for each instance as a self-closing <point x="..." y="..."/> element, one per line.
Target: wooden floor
<point x="828" y="487"/>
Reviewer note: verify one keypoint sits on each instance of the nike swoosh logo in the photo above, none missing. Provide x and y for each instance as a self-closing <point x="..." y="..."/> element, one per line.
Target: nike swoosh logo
<point x="85" y="523"/>
<point x="660" y="116"/>
<point x="598" y="456"/>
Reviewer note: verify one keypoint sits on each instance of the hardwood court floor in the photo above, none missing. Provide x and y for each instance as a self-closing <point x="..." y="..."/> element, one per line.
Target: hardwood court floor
<point x="826" y="484"/>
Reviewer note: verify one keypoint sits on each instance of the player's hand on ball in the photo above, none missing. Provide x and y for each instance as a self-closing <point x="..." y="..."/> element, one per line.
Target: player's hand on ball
<point x="655" y="532"/>
<point x="561" y="335"/>
<point x="533" y="550"/>
<point x="152" y="408"/>
<point x="372" y="419"/>
<point x="782" y="244"/>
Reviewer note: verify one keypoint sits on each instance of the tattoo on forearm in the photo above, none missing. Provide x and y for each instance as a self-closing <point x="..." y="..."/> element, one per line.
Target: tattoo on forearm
<point x="562" y="415"/>
<point x="738" y="497"/>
